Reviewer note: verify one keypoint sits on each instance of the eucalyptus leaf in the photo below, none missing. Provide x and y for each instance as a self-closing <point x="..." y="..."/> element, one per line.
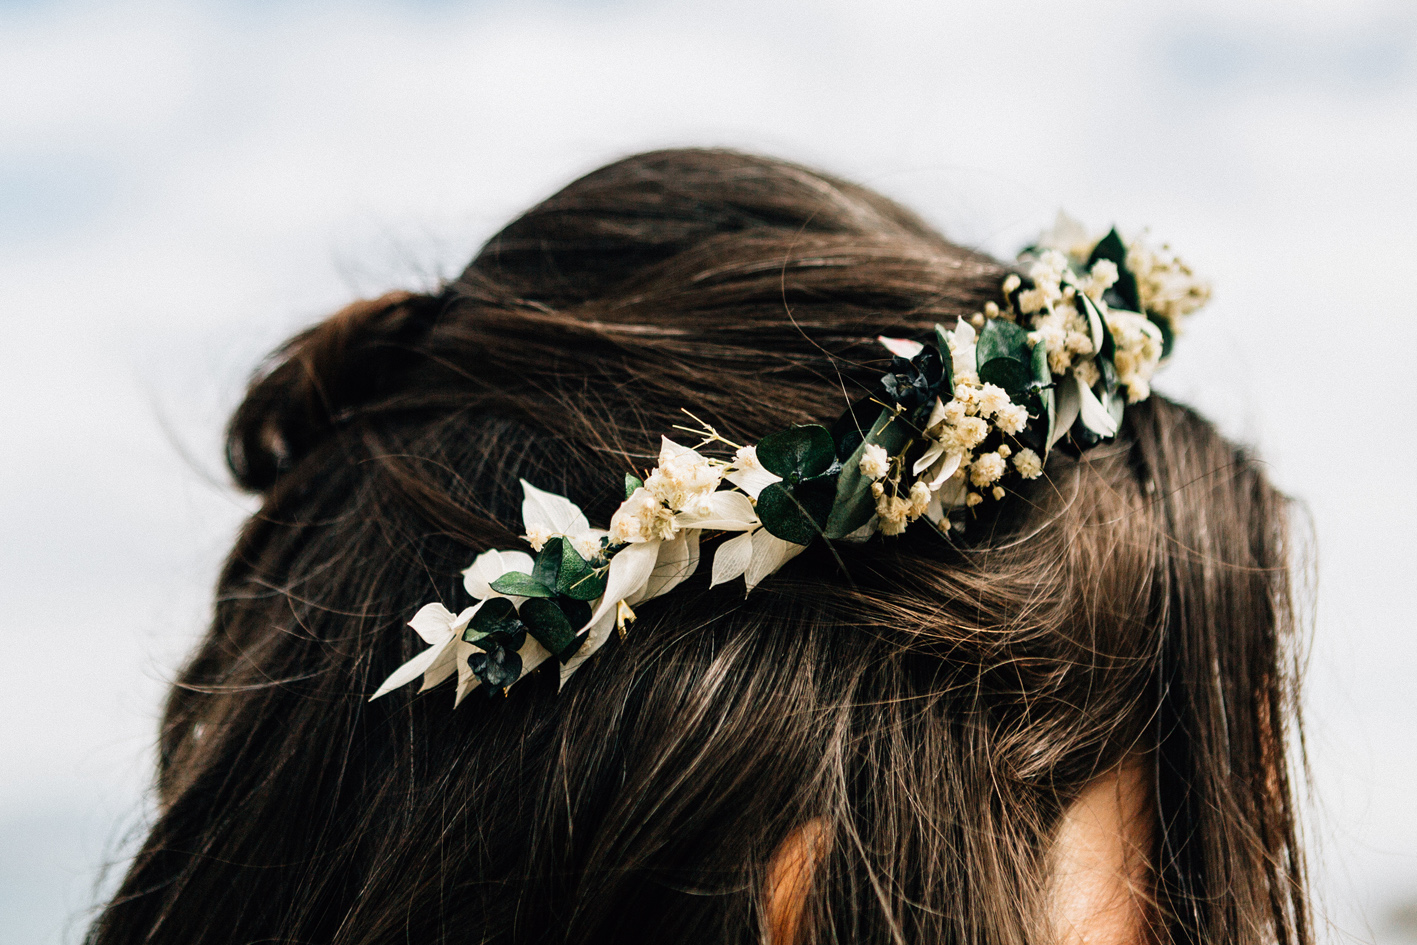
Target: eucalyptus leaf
<point x="498" y="668"/>
<point x="1111" y="248"/>
<point x="850" y="429"/>
<point x="947" y="364"/>
<point x="1168" y="334"/>
<point x="518" y="584"/>
<point x="632" y="482"/>
<point x="1001" y="338"/>
<point x="853" y="504"/>
<point x="547" y="569"/>
<point x="1042" y="374"/>
<point x="1012" y="375"/>
<point x="497" y="616"/>
<point x="785" y="515"/>
<point x="798" y="452"/>
<point x="548" y="625"/>
<point x="577" y="579"/>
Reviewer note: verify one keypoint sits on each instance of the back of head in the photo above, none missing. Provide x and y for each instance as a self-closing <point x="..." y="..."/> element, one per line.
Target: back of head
<point x="934" y="705"/>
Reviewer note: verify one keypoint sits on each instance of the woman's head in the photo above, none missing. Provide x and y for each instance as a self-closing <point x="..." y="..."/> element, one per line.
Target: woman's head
<point x="931" y="709"/>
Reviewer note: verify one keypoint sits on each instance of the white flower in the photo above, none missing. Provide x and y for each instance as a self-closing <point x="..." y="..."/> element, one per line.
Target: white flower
<point x="748" y="474"/>
<point x="992" y="398"/>
<point x="962" y="355"/>
<point x="1004" y="450"/>
<point x="1011" y="419"/>
<point x="1087" y="373"/>
<point x="537" y="536"/>
<point x="893" y="512"/>
<point x="1028" y="464"/>
<point x="642" y="517"/>
<point x="1166" y="286"/>
<point x="875" y="462"/>
<point x="1068" y="236"/>
<point x="684" y="478"/>
<point x="999" y="492"/>
<point x="919" y="500"/>
<point x="1103" y="277"/>
<point x="973" y="499"/>
<point x="1011" y="282"/>
<point x="986" y="469"/>
<point x="587" y="546"/>
<point x="1138" y="352"/>
<point x="970" y="432"/>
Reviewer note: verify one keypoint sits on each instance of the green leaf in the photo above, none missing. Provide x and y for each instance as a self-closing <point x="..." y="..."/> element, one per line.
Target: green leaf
<point x="547" y="570"/>
<point x="497" y="616"/>
<point x="577" y="579"/>
<point x="521" y="585"/>
<point x="576" y="611"/>
<point x="1042" y="374"/>
<point x="1013" y="376"/>
<point x="1168" y="335"/>
<point x="942" y="343"/>
<point x="1001" y="338"/>
<point x="548" y="625"/>
<point x="1112" y="248"/>
<point x="795" y="514"/>
<point x="632" y="482"/>
<point x="798" y="452"/>
<point x="853" y="504"/>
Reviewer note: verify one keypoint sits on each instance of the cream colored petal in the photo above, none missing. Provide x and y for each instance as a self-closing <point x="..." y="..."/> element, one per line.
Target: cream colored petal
<point x="555" y="513"/>
<point x="927" y="459"/>
<point x="407" y="673"/>
<point x="1065" y="412"/>
<point x="533" y="654"/>
<point x="467" y="680"/>
<point x="444" y="664"/>
<point x="752" y="481"/>
<point x="730" y="559"/>
<point x="728" y="512"/>
<point x="947" y="467"/>
<point x="769" y="554"/>
<point x="675" y="563"/>
<point x="489" y="566"/>
<point x="629" y="572"/>
<point x="1094" y="416"/>
<point x="599" y="633"/>
<point x="433" y="623"/>
<point x="901" y="347"/>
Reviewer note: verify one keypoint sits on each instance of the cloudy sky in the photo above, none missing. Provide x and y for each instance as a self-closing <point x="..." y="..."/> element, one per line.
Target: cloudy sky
<point x="184" y="184"/>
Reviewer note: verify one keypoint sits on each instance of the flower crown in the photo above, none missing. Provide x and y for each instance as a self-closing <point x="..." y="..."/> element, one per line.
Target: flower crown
<point x="957" y="419"/>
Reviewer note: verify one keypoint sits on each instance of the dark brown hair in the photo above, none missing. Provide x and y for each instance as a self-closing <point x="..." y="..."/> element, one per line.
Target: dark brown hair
<point x="936" y="705"/>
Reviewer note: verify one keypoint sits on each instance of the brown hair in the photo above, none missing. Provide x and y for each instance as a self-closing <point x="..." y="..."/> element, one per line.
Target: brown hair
<point x="936" y="705"/>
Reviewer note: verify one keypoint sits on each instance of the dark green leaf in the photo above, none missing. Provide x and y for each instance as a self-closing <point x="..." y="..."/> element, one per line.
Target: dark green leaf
<point x="632" y="482"/>
<point x="798" y="452"/>
<point x="853" y="504"/>
<point x="793" y="517"/>
<point x="942" y="343"/>
<point x="1111" y="247"/>
<point x="851" y="427"/>
<point x="496" y="617"/>
<point x="1001" y="338"/>
<point x="1013" y="376"/>
<point x="498" y="668"/>
<point x="548" y="625"/>
<point x="1042" y="374"/>
<point x="547" y="570"/>
<point x="577" y="579"/>
<point x="521" y="585"/>
<point x="576" y="611"/>
<point x="1168" y="334"/>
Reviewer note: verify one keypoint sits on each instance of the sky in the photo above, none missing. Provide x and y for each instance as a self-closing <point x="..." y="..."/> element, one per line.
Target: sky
<point x="182" y="185"/>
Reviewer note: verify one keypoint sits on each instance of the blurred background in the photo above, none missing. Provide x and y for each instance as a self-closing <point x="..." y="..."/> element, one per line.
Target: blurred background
<point x="182" y="185"/>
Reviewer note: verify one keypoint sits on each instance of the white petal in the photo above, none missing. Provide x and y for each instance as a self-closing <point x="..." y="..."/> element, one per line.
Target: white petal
<point x="731" y="558"/>
<point x="489" y="566"/>
<point x="1094" y="415"/>
<point x="769" y="554"/>
<point x="467" y="680"/>
<point x="444" y="663"/>
<point x="901" y="347"/>
<point x="752" y="481"/>
<point x="533" y="654"/>
<point x="963" y="336"/>
<point x="946" y="469"/>
<point x="1094" y="320"/>
<point x="407" y="673"/>
<point x="674" y="564"/>
<point x="728" y="512"/>
<point x="555" y="513"/>
<point x="927" y="459"/>
<point x="629" y="572"/>
<point x="1065" y="411"/>
<point x="433" y="623"/>
<point x="599" y="633"/>
<point x="937" y="412"/>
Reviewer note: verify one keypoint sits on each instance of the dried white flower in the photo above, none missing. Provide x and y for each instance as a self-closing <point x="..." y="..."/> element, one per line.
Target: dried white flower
<point x="992" y="399"/>
<point x="970" y="432"/>
<point x="537" y="536"/>
<point x="999" y="492"/>
<point x="1011" y="282"/>
<point x="642" y="517"/>
<point x="919" y="500"/>
<point x="986" y="469"/>
<point x="1011" y="419"/>
<point x="1004" y="450"/>
<point x="1087" y="372"/>
<point x="684" y="479"/>
<point x="1028" y="464"/>
<point x="875" y="462"/>
<point x="973" y="499"/>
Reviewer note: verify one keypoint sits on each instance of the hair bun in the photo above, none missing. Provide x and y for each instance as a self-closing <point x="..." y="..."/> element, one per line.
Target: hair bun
<point x="318" y="378"/>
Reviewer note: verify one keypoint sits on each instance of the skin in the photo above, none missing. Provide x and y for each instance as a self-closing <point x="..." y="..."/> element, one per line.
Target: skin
<point x="1099" y="866"/>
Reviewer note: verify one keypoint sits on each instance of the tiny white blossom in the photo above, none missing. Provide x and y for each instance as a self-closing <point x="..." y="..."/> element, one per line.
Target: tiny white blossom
<point x="1087" y="372"/>
<point x="1028" y="464"/>
<point x="642" y="517"/>
<point x="999" y="492"/>
<point x="1004" y="450"/>
<point x="973" y="499"/>
<point x="919" y="500"/>
<point x="971" y="431"/>
<point x="986" y="469"/>
<point x="992" y="398"/>
<point x="537" y="536"/>
<point x="893" y="512"/>
<point x="1011" y="282"/>
<point x="875" y="462"/>
<point x="1011" y="419"/>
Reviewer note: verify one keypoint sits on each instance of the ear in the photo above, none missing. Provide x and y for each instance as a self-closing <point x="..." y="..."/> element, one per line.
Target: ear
<point x="790" y="880"/>
<point x="1100" y="883"/>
